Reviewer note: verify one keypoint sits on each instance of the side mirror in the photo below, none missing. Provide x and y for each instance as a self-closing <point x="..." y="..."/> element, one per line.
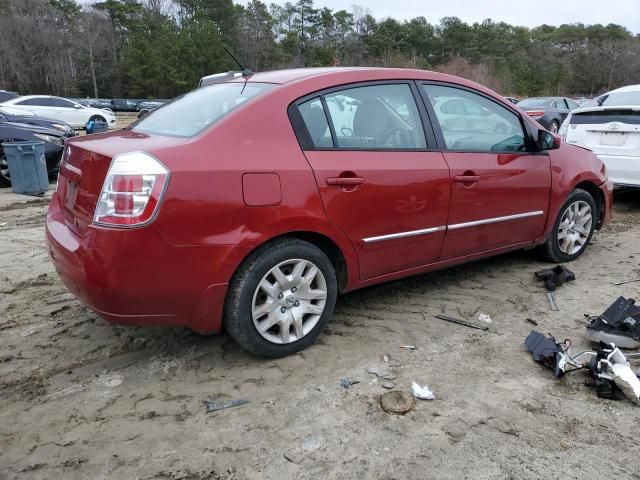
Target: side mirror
<point x="548" y="141"/>
<point x="77" y="106"/>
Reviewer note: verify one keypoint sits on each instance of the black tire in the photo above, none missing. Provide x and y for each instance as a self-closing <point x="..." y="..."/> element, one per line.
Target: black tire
<point x="552" y="249"/>
<point x="554" y="126"/>
<point x="97" y="118"/>
<point x="5" y="181"/>
<point x="238" y="318"/>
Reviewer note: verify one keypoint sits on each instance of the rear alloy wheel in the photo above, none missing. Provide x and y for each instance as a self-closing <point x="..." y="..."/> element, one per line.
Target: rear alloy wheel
<point x="573" y="228"/>
<point x="5" y="179"/>
<point x="554" y="126"/>
<point x="281" y="298"/>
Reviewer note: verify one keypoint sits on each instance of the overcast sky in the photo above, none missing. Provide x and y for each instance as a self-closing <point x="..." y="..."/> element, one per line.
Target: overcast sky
<point x="516" y="12"/>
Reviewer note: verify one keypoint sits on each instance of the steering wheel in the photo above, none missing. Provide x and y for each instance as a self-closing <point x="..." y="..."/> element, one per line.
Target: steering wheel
<point x="393" y="135"/>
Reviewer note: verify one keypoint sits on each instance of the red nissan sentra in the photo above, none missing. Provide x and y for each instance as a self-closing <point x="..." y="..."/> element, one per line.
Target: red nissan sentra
<point x="253" y="202"/>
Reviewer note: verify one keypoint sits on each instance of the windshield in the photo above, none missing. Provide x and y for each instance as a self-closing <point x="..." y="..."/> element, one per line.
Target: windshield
<point x="195" y="111"/>
<point x="618" y="99"/>
<point x="533" y="102"/>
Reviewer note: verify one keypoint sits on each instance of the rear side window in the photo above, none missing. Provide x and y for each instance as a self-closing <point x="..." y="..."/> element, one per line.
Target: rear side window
<point x="471" y="122"/>
<point x="197" y="110"/>
<point x="370" y="117"/>
<point x="316" y="122"/>
<point x="33" y="102"/>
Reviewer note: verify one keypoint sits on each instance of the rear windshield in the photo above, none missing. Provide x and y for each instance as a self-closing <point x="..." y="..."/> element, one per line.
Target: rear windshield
<point x="533" y="102"/>
<point x="197" y="110"/>
<point x="617" y="99"/>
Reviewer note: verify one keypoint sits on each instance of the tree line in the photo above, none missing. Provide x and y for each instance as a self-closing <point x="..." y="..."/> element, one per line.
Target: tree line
<point x="160" y="48"/>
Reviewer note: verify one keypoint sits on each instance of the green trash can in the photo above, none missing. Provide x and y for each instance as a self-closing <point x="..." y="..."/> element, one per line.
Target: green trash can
<point x="27" y="167"/>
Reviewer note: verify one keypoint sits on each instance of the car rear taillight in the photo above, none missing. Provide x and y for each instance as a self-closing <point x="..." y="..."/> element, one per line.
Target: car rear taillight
<point x="132" y="190"/>
<point x="535" y="113"/>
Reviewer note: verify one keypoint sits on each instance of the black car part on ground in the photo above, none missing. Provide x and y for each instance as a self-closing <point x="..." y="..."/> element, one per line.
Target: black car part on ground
<point x="554" y="277"/>
<point x="619" y="324"/>
<point x="53" y="146"/>
<point x="608" y="366"/>
<point x="66" y="129"/>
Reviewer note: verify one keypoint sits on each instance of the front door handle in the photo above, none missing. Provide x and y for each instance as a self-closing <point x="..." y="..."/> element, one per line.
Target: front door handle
<point x="345" y="181"/>
<point x="467" y="178"/>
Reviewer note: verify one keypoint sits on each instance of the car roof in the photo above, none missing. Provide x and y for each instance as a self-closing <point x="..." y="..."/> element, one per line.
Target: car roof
<point x="628" y="88"/>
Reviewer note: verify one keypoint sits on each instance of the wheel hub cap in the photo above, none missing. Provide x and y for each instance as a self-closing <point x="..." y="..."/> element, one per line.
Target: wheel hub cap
<point x="575" y="227"/>
<point x="289" y="301"/>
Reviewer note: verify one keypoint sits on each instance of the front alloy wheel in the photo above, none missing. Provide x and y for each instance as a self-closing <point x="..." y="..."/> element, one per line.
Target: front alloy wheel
<point x="573" y="227"/>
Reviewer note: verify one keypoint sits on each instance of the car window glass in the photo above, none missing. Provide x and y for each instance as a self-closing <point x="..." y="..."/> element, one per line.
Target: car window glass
<point x="571" y="103"/>
<point x="376" y="117"/>
<point x="471" y="122"/>
<point x="61" y="102"/>
<point x="32" y="101"/>
<point x="316" y="123"/>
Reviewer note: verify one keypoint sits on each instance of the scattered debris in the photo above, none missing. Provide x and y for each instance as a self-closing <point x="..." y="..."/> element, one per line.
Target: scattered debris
<point x="408" y="347"/>
<point x="619" y="324"/>
<point x="347" y="382"/>
<point x="3" y="224"/>
<point x="388" y="385"/>
<point x="385" y="358"/>
<point x="383" y="374"/>
<point x="532" y="321"/>
<point x="608" y="366"/>
<point x="554" y="277"/>
<point x="462" y="322"/>
<point x="423" y="393"/>
<point x="214" y="405"/>
<point x="552" y="302"/>
<point x="484" y="318"/>
<point x="397" y="402"/>
<point x="631" y="280"/>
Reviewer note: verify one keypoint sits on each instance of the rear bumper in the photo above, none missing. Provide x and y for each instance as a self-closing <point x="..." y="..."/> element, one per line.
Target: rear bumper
<point x="135" y="277"/>
<point x="623" y="170"/>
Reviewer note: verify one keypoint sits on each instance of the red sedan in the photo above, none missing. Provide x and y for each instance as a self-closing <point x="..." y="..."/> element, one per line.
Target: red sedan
<point x="253" y="202"/>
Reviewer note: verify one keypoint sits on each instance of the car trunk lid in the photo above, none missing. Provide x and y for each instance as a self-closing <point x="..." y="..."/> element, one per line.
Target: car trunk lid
<point x="84" y="166"/>
<point x="607" y="130"/>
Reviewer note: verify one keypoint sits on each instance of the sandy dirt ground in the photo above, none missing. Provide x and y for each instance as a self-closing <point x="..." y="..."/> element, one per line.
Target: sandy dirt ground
<point x="82" y="399"/>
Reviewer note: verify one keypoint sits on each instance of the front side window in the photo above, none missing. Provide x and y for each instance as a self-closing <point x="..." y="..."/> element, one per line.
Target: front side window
<point x="199" y="109"/>
<point x="371" y="117"/>
<point x="471" y="122"/>
<point x="35" y="102"/>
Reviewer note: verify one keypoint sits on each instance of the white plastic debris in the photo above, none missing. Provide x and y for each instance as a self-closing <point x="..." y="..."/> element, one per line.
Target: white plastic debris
<point x="408" y="347"/>
<point x="616" y="368"/>
<point x="423" y="393"/>
<point x="484" y="318"/>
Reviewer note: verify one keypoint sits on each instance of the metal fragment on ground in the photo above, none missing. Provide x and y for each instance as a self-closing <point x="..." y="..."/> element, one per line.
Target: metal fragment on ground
<point x="215" y="405"/>
<point x="458" y="321"/>
<point x="383" y="374"/>
<point x="631" y="280"/>
<point x="552" y="302"/>
<point x="408" y="347"/>
<point x="397" y="402"/>
<point x="347" y="382"/>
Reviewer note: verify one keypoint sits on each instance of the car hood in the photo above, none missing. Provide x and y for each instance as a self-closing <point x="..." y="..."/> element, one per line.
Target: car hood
<point x="34" y="128"/>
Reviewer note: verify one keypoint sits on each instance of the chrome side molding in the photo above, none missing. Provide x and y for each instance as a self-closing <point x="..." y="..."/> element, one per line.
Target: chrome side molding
<point x="475" y="223"/>
<point x="412" y="233"/>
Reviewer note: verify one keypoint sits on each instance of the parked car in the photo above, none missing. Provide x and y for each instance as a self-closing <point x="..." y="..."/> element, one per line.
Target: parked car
<point x="123" y="105"/>
<point x="549" y="112"/>
<point x="206" y="214"/>
<point x="6" y="95"/>
<point x="457" y="114"/>
<point x="15" y="115"/>
<point x="610" y="127"/>
<point x="53" y="143"/>
<point x="61" y="109"/>
<point x="146" y="107"/>
<point x="95" y="103"/>
<point x="513" y="100"/>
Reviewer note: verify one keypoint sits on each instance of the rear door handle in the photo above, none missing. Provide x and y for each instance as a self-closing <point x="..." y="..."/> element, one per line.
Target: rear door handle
<point x="345" y="181"/>
<point x="467" y="178"/>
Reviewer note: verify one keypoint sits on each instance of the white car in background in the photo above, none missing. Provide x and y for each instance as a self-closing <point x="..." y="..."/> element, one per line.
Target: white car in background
<point x="610" y="127"/>
<point x="61" y="109"/>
